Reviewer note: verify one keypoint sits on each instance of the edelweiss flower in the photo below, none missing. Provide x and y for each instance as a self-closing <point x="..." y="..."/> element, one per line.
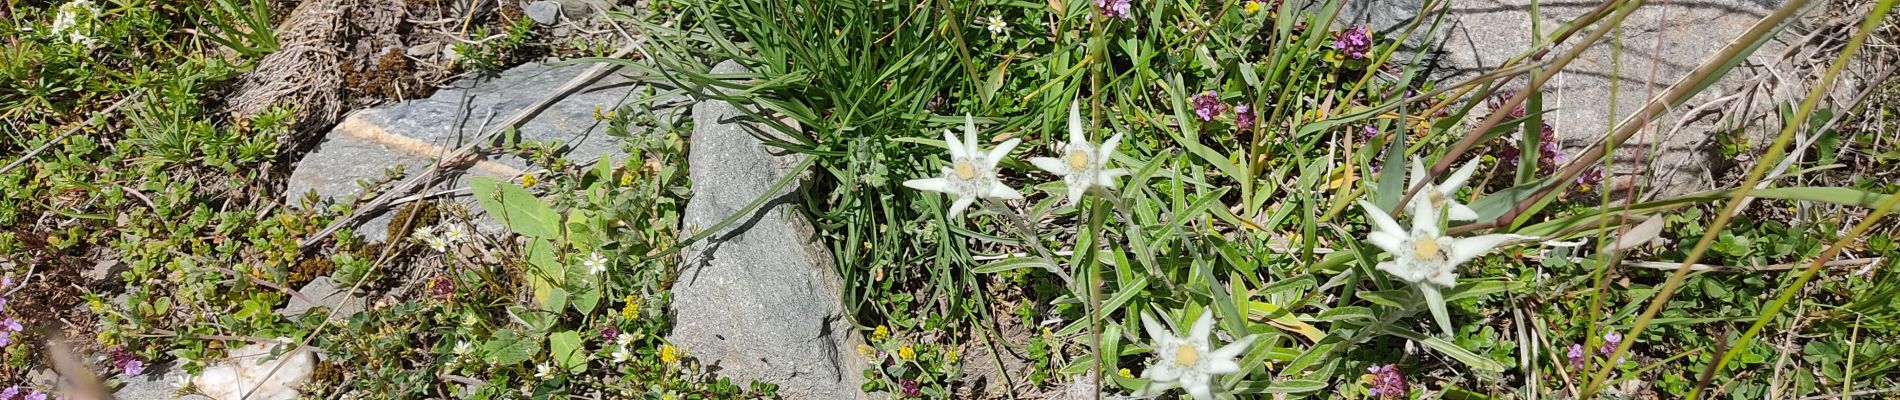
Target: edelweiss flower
<point x="1423" y="256"/>
<point x="1083" y="164"/>
<point x="972" y="174"/>
<point x="1186" y="362"/>
<point x="1440" y="195"/>
<point x="595" y="263"/>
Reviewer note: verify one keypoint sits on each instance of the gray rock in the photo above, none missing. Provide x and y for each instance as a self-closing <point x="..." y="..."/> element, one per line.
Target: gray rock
<point x="429" y="49"/>
<point x="759" y="300"/>
<point x="157" y="383"/>
<point x="411" y="134"/>
<point x="324" y="293"/>
<point x="545" y="12"/>
<point x="1480" y="35"/>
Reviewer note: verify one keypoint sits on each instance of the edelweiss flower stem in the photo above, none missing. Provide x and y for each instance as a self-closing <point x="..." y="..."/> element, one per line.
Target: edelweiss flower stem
<point x="1143" y="254"/>
<point x="1028" y="232"/>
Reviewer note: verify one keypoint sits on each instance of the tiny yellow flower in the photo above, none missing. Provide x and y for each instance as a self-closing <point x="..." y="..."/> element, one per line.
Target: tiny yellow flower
<point x="906" y="353"/>
<point x="527" y="180"/>
<point x="950" y="356"/>
<point x="1126" y="374"/>
<point x="867" y="351"/>
<point x="632" y="308"/>
<point x="670" y="354"/>
<point x="880" y="333"/>
<point x="1252" y="6"/>
<point x="626" y="179"/>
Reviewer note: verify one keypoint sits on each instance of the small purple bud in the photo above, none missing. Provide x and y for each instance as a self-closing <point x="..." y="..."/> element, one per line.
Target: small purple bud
<point x="1207" y="105"/>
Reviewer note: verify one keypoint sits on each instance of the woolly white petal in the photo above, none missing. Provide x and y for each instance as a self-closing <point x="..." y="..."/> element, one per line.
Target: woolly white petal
<point x="1457" y="179"/>
<point x="1465" y="249"/>
<point x="957" y="148"/>
<point x="957" y="207"/>
<point x="1424" y="219"/>
<point x="1000" y="191"/>
<point x="1222" y="366"/>
<point x="929" y="184"/>
<point x="1392" y="243"/>
<point x="1461" y="212"/>
<point x="1076" y="191"/>
<point x="1232" y="350"/>
<point x="1400" y="270"/>
<point x="969" y="131"/>
<point x="1202" y="327"/>
<point x="1381" y="220"/>
<point x="1108" y="175"/>
<point x="1157" y="333"/>
<point x="1001" y="152"/>
<point x="1197" y="386"/>
<point x="1109" y="147"/>
<point x="1076" y="135"/>
<point x="1418" y="172"/>
<point x="1051" y="165"/>
<point x="1164" y="371"/>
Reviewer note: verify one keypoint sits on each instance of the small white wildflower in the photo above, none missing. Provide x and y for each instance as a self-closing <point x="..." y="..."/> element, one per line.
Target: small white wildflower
<point x="595" y="263"/>
<point x="454" y="234"/>
<point x="462" y="348"/>
<point x="972" y="175"/>
<point x="74" y="19"/>
<point x="1189" y="362"/>
<point x="997" y="26"/>
<point x="544" y="371"/>
<point x="1440" y="194"/>
<point x="437" y="243"/>
<point x="1083" y="164"/>
<point x="621" y="355"/>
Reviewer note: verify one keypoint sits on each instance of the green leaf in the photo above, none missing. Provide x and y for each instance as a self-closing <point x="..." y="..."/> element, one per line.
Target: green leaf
<point x="584" y="298"/>
<point x="1288" y="386"/>
<point x="568" y="352"/>
<point x="1459" y="353"/>
<point x="557" y="300"/>
<point x="1480" y="288"/>
<point x="517" y="209"/>
<point x="1010" y="264"/>
<point x="509" y="347"/>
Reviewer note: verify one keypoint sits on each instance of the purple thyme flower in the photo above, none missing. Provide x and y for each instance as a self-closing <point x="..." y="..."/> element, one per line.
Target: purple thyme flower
<point x="35" y="395"/>
<point x="11" y="325"/>
<point x="126" y="361"/>
<point x="1354" y="42"/>
<point x="1371" y="131"/>
<point x="6" y="339"/>
<point x="911" y="389"/>
<point x="1591" y="176"/>
<point x="1243" y="117"/>
<point x="1387" y="382"/>
<point x="1115" y="8"/>
<point x="1576" y="355"/>
<point x="610" y="333"/>
<point x="442" y="287"/>
<point x="1610" y="340"/>
<point x="11" y="393"/>
<point x="1207" y="105"/>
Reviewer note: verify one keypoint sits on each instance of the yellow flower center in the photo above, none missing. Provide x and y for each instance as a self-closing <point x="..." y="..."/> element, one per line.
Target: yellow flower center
<point x="1184" y="355"/>
<point x="1078" y="160"/>
<point x="1438" y="199"/>
<point x="1426" y="247"/>
<point x="965" y="171"/>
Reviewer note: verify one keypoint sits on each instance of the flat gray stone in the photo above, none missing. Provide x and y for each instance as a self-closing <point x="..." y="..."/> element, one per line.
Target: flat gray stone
<point x="324" y="293"/>
<point x="1479" y="35"/>
<point x="412" y="134"/>
<point x="157" y="383"/>
<point x="761" y="299"/>
<point x="545" y="12"/>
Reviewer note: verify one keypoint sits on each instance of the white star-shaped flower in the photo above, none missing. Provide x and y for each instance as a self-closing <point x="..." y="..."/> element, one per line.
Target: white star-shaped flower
<point x="544" y="371"/>
<point x="1423" y="256"/>
<point x="972" y="174"/>
<point x="1187" y="362"/>
<point x="595" y="263"/>
<point x="462" y="348"/>
<point x="1440" y="194"/>
<point x="453" y="233"/>
<point x="1083" y="164"/>
<point x="997" y="26"/>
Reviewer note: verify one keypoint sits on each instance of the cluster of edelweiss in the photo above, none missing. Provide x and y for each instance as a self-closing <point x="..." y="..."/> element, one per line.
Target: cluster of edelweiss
<point x="1422" y="256"/>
